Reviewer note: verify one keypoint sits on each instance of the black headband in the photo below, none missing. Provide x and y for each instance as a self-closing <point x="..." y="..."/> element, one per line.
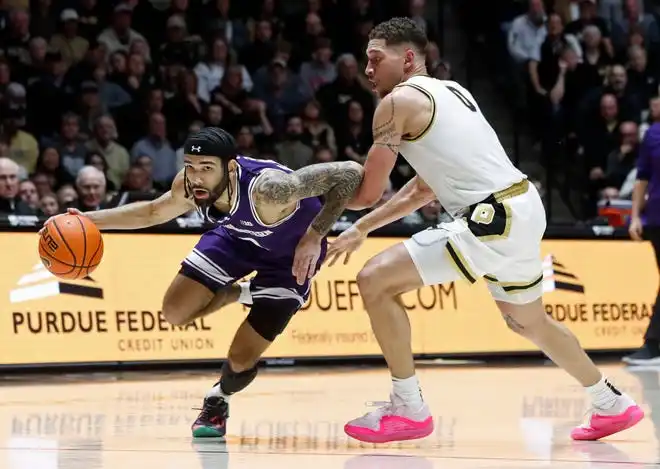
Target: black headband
<point x="202" y="147"/>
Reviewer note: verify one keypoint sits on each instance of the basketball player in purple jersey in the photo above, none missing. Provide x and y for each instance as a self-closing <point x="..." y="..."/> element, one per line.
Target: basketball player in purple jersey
<point x="270" y="219"/>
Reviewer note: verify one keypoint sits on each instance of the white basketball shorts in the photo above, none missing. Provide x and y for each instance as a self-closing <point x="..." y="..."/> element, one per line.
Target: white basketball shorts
<point x="498" y="239"/>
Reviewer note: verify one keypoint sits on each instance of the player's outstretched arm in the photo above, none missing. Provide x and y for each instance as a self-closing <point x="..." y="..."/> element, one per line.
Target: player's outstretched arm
<point x="144" y="214"/>
<point x="413" y="196"/>
<point x="337" y="182"/>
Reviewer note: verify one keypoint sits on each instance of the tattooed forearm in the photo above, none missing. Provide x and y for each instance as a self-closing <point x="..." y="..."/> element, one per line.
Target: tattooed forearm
<point x="337" y="182"/>
<point x="384" y="130"/>
<point x="337" y="198"/>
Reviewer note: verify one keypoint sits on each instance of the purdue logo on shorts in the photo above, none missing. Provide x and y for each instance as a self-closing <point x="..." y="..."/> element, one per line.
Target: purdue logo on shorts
<point x="483" y="214"/>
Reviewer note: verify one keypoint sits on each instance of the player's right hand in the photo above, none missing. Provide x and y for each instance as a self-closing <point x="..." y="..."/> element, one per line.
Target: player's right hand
<point x="347" y="243"/>
<point x="635" y="229"/>
<point x="69" y="211"/>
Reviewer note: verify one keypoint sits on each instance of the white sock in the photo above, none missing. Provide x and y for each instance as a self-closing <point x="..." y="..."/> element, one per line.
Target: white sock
<point x="603" y="394"/>
<point x="408" y="391"/>
<point x="245" y="298"/>
<point x="215" y="391"/>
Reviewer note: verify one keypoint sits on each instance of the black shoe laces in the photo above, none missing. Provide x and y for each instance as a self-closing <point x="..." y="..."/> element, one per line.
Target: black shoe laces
<point x="213" y="407"/>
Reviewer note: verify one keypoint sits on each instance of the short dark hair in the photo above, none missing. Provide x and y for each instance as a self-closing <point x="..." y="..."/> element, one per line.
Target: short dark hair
<point x="400" y="30"/>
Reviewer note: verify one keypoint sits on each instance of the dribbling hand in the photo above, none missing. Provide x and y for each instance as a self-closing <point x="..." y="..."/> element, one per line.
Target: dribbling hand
<point x="347" y="243"/>
<point x="69" y="211"/>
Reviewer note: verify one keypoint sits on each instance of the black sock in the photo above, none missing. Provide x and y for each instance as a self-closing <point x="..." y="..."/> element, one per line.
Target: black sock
<point x="232" y="382"/>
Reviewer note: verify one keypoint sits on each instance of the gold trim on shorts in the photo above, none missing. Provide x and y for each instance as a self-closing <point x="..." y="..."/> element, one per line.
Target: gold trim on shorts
<point x="459" y="263"/>
<point x="510" y="192"/>
<point x="514" y="287"/>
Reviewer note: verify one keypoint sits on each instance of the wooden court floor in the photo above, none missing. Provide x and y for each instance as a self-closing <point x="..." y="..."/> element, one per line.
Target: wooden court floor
<point x="486" y="417"/>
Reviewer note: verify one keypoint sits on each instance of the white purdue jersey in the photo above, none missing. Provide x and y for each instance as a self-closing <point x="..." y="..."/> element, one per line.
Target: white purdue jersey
<point x="459" y="155"/>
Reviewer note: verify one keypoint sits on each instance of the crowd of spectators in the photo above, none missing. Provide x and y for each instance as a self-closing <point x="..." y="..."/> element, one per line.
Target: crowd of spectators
<point x="97" y="96"/>
<point x="590" y="70"/>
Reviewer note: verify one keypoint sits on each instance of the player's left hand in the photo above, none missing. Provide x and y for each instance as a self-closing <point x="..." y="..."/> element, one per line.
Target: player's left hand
<point x="346" y="243"/>
<point x="306" y="257"/>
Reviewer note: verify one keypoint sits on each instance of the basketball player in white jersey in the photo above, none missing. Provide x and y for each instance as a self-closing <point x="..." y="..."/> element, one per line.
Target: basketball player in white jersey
<point x="499" y="221"/>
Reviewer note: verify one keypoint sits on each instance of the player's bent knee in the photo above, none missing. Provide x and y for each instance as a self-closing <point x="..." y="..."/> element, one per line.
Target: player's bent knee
<point x="183" y="300"/>
<point x="375" y="279"/>
<point x="175" y="315"/>
<point x="171" y="308"/>
<point x="174" y="309"/>
<point x="370" y="279"/>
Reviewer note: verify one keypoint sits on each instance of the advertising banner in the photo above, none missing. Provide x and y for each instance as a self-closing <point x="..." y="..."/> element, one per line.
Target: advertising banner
<point x="602" y="290"/>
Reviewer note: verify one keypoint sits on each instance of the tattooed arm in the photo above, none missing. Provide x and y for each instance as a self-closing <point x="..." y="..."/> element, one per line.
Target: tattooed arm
<point x="394" y="115"/>
<point x="337" y="182"/>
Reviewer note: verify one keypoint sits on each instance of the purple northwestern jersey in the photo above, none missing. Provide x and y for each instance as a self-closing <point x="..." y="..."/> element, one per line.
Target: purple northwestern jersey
<point x="242" y="243"/>
<point x="243" y="222"/>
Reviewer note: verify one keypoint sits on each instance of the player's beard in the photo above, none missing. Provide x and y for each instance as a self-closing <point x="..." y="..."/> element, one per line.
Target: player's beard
<point x="213" y="194"/>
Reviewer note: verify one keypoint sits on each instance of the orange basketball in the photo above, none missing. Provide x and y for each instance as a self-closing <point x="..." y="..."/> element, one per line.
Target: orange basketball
<point x="71" y="246"/>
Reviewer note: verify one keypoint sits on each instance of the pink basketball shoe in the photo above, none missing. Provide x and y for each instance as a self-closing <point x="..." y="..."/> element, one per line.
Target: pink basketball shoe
<point x="395" y="421"/>
<point x="600" y="424"/>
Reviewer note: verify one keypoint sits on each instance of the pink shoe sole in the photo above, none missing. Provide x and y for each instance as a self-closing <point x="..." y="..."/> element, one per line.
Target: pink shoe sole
<point x="420" y="430"/>
<point x="609" y="425"/>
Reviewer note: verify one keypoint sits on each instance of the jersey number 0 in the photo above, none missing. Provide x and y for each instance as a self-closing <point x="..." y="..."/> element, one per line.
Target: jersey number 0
<point x="462" y="98"/>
